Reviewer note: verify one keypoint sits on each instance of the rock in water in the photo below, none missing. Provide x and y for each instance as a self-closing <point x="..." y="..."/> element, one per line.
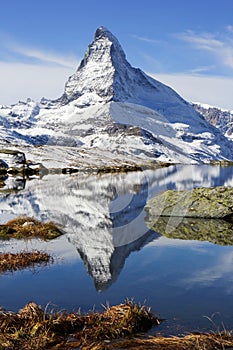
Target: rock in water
<point x="12" y="159"/>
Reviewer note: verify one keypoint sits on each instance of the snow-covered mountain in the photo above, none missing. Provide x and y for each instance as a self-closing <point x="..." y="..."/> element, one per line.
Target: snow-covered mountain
<point x="109" y="106"/>
<point x="220" y="118"/>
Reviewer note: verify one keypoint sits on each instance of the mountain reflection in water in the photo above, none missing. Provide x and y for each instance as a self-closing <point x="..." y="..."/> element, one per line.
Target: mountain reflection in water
<point x="103" y="216"/>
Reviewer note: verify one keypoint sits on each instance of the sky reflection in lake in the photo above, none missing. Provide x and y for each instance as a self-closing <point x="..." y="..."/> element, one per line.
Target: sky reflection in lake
<point x="108" y="253"/>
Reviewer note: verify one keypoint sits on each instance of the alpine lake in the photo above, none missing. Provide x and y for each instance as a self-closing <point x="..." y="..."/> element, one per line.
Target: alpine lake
<point x="107" y="253"/>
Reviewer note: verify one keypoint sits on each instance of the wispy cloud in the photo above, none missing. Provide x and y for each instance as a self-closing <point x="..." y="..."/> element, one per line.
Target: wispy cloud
<point x="220" y="45"/>
<point x="22" y="80"/>
<point x="43" y="56"/>
<point x="17" y="52"/>
<point x="145" y="39"/>
<point x="202" y="69"/>
<point x="229" y="28"/>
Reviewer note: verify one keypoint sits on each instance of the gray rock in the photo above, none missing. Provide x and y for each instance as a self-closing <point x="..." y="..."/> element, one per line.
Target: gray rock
<point x="12" y="158"/>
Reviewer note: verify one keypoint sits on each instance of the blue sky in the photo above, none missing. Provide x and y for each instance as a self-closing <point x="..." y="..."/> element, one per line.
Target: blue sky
<point x="187" y="44"/>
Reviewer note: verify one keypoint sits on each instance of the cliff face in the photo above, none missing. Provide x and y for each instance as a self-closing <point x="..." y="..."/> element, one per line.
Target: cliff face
<point x="109" y="105"/>
<point x="220" y="118"/>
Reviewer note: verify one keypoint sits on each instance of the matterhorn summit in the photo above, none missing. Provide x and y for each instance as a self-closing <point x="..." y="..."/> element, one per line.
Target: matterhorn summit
<point x="96" y="77"/>
<point x="111" y="114"/>
<point x="105" y="75"/>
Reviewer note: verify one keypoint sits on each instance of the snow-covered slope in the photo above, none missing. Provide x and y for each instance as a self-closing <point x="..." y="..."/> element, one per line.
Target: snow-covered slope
<point x="220" y="118"/>
<point x="109" y="105"/>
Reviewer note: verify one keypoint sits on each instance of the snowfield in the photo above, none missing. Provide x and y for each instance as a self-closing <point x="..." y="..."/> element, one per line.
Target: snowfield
<point x="111" y="113"/>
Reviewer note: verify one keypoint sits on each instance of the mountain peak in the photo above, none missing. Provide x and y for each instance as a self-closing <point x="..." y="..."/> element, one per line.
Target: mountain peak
<point x="104" y="75"/>
<point x="102" y="32"/>
<point x="93" y="81"/>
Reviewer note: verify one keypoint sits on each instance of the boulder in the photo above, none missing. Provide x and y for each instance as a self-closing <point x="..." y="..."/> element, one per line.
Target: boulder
<point x="12" y="159"/>
<point x="14" y="162"/>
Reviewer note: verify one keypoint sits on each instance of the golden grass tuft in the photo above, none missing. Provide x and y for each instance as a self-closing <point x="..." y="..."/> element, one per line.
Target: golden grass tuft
<point x="18" y="261"/>
<point x="119" y="321"/>
<point x="33" y="328"/>
<point x="26" y="227"/>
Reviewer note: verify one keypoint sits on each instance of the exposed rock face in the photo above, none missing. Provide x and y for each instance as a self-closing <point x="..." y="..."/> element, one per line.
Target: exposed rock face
<point x="222" y="119"/>
<point x="110" y="105"/>
<point x="105" y="75"/>
<point x="214" y="202"/>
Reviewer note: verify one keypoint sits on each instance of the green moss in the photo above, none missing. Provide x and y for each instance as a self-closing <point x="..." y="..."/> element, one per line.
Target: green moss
<point x="6" y="231"/>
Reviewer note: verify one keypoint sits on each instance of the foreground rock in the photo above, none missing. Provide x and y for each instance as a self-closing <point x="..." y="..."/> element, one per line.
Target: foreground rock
<point x="203" y="214"/>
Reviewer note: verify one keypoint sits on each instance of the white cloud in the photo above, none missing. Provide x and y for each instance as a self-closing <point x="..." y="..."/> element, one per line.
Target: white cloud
<point x="202" y="69"/>
<point x="42" y="56"/>
<point x="147" y="40"/>
<point x="13" y="50"/>
<point x="219" y="45"/>
<point x="20" y="81"/>
<point x="220" y="269"/>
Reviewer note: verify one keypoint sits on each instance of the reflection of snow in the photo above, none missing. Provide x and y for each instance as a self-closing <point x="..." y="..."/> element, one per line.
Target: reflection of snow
<point x="105" y="234"/>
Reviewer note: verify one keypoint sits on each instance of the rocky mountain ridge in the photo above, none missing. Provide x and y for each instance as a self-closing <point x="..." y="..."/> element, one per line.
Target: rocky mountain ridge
<point x="220" y="118"/>
<point x="108" y="105"/>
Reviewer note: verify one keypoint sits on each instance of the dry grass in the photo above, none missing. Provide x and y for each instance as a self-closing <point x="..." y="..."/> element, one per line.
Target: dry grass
<point x="18" y="261"/>
<point x="33" y="328"/>
<point x="188" y="342"/>
<point x="26" y="227"/>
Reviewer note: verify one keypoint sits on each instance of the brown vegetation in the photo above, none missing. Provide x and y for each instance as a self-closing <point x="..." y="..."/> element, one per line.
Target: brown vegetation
<point x="114" y="328"/>
<point x="188" y="342"/>
<point x="33" y="328"/>
<point x="18" y="261"/>
<point x="26" y="227"/>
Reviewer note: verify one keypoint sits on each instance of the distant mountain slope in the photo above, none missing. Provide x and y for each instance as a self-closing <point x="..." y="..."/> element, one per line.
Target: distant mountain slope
<point x="109" y="105"/>
<point x="220" y="118"/>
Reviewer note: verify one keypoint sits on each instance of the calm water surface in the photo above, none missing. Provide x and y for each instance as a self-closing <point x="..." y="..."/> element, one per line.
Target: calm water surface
<point x="107" y="253"/>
